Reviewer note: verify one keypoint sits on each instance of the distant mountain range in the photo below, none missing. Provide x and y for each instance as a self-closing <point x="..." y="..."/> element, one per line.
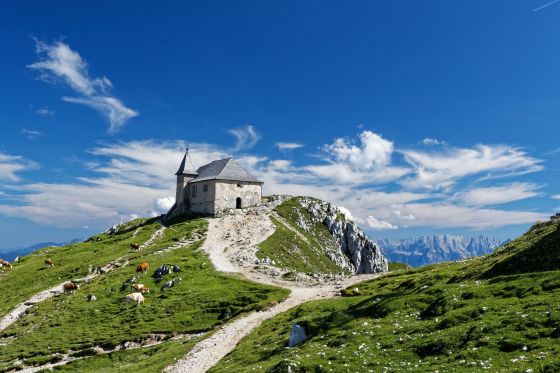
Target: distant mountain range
<point x="424" y="250"/>
<point x="11" y="254"/>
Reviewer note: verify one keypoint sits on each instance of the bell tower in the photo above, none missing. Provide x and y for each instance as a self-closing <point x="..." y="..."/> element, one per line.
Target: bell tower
<point x="184" y="175"/>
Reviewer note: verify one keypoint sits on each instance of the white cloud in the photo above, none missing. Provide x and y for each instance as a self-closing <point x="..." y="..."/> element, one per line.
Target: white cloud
<point x="346" y="212"/>
<point x="446" y="215"/>
<point x="134" y="178"/>
<point x="137" y="177"/>
<point x="497" y="195"/>
<point x="31" y="134"/>
<point x="245" y="137"/>
<point x="58" y="62"/>
<point x="367" y="162"/>
<point x="441" y="170"/>
<point x="430" y="141"/>
<point x="372" y="153"/>
<point x="286" y="146"/>
<point x="45" y="112"/>
<point x="556" y="196"/>
<point x="399" y="215"/>
<point x="111" y="107"/>
<point x="379" y="225"/>
<point x="11" y="165"/>
<point x="164" y="204"/>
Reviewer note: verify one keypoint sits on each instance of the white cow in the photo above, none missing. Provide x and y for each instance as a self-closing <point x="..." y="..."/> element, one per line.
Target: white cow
<point x="134" y="297"/>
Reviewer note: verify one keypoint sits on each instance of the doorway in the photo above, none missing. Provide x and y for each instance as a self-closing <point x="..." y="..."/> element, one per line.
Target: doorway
<point x="238" y="203"/>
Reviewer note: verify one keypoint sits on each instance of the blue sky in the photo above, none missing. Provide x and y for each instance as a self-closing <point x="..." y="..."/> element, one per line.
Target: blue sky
<point x="419" y="117"/>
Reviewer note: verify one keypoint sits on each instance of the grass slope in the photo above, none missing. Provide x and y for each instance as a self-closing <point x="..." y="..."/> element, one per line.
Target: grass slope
<point x="200" y="300"/>
<point x="30" y="275"/>
<point x="496" y="313"/>
<point x="291" y="247"/>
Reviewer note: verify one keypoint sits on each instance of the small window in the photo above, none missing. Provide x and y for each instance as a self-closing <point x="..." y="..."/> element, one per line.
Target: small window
<point x="205" y="187"/>
<point x="240" y="185"/>
<point x="193" y="190"/>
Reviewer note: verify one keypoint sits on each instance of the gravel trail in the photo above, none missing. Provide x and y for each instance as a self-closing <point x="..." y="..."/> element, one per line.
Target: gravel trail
<point x="231" y="245"/>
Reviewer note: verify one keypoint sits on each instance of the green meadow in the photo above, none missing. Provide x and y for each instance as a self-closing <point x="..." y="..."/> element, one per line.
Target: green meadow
<point x="495" y="313"/>
<point x="200" y="300"/>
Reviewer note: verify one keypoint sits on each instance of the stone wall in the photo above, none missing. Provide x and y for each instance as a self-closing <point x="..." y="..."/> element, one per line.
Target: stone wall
<point x="227" y="193"/>
<point x="202" y="202"/>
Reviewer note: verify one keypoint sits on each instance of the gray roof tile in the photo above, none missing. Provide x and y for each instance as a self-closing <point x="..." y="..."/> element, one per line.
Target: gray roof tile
<point x="224" y="169"/>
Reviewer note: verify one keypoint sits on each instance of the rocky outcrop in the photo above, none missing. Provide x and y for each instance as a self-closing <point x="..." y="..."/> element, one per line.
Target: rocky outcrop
<point x="357" y="252"/>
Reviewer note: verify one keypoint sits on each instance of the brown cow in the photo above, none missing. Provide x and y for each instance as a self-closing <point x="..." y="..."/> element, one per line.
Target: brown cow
<point x="143" y="268"/>
<point x="135" y="246"/>
<point x="70" y="287"/>
<point x="5" y="264"/>
<point x="49" y="262"/>
<point x="136" y="287"/>
<point x="144" y="290"/>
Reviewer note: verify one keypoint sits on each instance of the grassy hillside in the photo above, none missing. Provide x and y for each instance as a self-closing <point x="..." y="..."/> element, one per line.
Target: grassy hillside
<point x="295" y="248"/>
<point x="496" y="313"/>
<point x="200" y="300"/>
<point x="30" y="275"/>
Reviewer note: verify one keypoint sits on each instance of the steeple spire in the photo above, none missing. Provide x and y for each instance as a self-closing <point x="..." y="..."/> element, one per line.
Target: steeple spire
<point x="181" y="169"/>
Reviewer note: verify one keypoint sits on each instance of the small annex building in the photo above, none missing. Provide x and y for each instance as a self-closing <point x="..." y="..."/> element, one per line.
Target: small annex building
<point x="217" y="186"/>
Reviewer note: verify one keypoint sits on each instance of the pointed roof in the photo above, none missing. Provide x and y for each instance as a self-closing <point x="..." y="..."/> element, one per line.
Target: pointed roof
<point x="181" y="170"/>
<point x="224" y="169"/>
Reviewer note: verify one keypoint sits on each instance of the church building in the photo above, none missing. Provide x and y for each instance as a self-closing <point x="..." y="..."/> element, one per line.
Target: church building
<point x="220" y="185"/>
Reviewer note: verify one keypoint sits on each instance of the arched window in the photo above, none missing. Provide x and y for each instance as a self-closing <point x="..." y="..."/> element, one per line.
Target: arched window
<point x="238" y="203"/>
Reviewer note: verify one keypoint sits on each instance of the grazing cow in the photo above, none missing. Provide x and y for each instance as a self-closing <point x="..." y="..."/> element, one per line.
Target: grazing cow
<point x="70" y="287"/>
<point x="5" y="264"/>
<point x="134" y="297"/>
<point x="49" y="262"/>
<point x="168" y="284"/>
<point x="143" y="268"/>
<point x="144" y="290"/>
<point x="136" y="287"/>
<point x="135" y="246"/>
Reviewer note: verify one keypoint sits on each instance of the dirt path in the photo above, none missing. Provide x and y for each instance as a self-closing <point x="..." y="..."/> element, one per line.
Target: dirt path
<point x="21" y="308"/>
<point x="231" y="245"/>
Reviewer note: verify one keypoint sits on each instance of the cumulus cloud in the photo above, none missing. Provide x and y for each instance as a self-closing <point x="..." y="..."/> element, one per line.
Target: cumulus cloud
<point x="11" y="165"/>
<point x="498" y="194"/>
<point x="441" y="170"/>
<point x="245" y="137"/>
<point x="369" y="161"/>
<point x="556" y="196"/>
<point x="59" y="63"/>
<point x="287" y="146"/>
<point x="372" y="153"/>
<point x="379" y="225"/>
<point x="164" y="204"/>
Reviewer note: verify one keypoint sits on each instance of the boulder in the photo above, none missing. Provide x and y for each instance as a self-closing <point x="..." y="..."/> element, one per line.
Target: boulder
<point x="297" y="335"/>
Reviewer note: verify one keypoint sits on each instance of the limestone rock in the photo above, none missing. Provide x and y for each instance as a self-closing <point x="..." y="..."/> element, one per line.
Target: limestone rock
<point x="358" y="253"/>
<point x="297" y="335"/>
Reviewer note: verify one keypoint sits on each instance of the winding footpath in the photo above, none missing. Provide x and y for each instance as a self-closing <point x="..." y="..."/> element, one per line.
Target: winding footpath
<point x="21" y="308"/>
<point x="231" y="244"/>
